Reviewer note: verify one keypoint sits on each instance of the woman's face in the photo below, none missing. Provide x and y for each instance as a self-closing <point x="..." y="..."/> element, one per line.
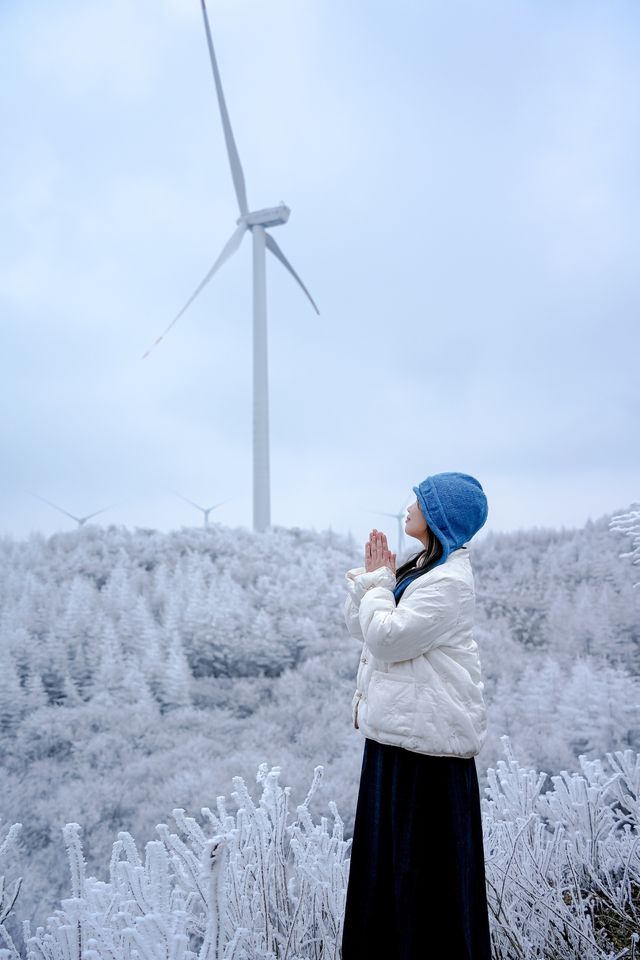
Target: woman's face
<point x="415" y="524"/>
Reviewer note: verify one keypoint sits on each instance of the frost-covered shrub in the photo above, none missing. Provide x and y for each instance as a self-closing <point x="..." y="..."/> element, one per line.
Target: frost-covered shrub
<point x="562" y="867"/>
<point x="563" y="864"/>
<point x="252" y="886"/>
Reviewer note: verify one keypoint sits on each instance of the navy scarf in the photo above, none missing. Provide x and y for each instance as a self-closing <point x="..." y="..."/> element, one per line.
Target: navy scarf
<point x="402" y="585"/>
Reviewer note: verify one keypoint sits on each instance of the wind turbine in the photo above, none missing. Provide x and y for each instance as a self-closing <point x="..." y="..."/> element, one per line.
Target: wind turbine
<point x="79" y="520"/>
<point x="399" y="517"/>
<point x="257" y="222"/>
<point x="206" y="510"/>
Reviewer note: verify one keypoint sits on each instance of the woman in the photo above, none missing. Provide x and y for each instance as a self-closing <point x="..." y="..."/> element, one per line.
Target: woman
<point x="417" y="877"/>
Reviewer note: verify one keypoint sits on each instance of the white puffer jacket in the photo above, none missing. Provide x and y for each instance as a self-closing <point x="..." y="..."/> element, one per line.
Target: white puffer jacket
<point x="419" y="683"/>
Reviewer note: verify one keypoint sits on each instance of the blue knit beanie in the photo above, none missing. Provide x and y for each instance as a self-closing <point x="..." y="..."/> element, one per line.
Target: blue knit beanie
<point x="455" y="507"/>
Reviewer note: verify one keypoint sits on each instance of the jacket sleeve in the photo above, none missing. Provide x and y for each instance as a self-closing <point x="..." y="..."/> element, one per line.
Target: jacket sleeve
<point x="415" y="626"/>
<point x="358" y="582"/>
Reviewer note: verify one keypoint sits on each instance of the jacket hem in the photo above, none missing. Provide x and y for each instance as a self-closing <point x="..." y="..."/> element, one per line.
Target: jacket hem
<point x="403" y="742"/>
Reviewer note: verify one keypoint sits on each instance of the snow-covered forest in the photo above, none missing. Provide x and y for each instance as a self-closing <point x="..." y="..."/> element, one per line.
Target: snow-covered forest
<point x="143" y="673"/>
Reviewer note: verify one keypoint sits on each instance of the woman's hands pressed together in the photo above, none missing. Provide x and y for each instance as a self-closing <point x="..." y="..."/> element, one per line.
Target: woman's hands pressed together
<point x="377" y="553"/>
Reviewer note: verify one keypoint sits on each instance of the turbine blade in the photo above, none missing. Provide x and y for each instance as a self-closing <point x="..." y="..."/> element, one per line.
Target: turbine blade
<point x="55" y="505"/>
<point x="234" y="159"/>
<point x="101" y="510"/>
<point x="186" y="499"/>
<point x="220" y="503"/>
<point x="230" y="247"/>
<point x="277" y="252"/>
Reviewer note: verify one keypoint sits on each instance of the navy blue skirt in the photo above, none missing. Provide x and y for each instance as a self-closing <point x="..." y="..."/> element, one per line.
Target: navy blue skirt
<point x="417" y="873"/>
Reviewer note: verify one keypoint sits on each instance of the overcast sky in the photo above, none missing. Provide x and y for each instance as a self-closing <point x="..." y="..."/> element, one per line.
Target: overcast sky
<point x="465" y="211"/>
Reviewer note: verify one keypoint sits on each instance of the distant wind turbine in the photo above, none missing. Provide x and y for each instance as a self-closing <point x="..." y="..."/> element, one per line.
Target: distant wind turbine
<point x="205" y="510"/>
<point x="256" y="221"/>
<point x="79" y="520"/>
<point x="399" y="517"/>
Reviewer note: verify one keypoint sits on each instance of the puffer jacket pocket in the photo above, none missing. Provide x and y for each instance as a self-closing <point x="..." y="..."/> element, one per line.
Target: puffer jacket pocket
<point x="354" y="708"/>
<point x="391" y="703"/>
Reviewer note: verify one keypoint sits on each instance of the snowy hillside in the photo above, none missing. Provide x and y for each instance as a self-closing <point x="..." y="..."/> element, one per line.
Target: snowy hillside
<point x="141" y="671"/>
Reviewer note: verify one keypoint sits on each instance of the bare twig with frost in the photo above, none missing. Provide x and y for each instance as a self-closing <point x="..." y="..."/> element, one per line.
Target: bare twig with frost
<point x="8" y="897"/>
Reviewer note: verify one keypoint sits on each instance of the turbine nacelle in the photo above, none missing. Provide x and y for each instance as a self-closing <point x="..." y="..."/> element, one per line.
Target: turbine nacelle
<point x="267" y="217"/>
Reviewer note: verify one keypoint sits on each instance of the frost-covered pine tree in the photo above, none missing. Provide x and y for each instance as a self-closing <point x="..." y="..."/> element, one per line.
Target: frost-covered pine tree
<point x="629" y="523"/>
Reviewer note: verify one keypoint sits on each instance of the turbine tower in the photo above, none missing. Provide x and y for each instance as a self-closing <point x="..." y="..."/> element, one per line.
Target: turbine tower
<point x="79" y="520"/>
<point x="205" y="510"/>
<point x="257" y="222"/>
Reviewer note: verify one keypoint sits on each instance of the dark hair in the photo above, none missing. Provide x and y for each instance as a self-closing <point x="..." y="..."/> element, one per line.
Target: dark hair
<point x="425" y="558"/>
